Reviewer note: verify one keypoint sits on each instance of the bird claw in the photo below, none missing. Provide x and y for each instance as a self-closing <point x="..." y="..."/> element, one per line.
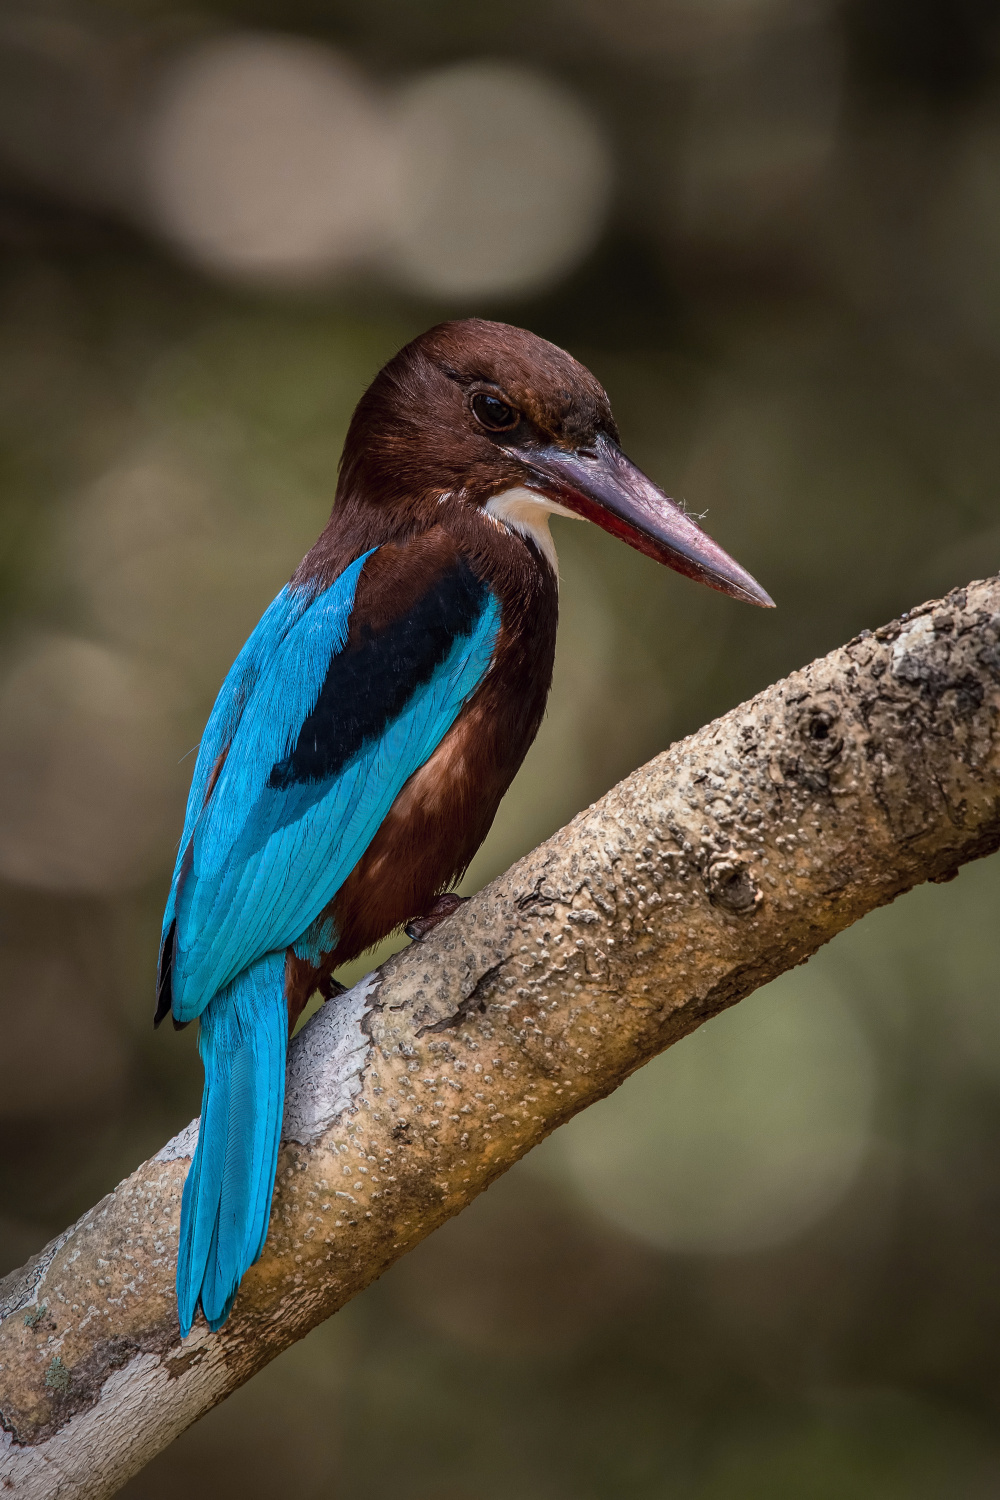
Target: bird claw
<point x="418" y="927"/>
<point x="330" y="988"/>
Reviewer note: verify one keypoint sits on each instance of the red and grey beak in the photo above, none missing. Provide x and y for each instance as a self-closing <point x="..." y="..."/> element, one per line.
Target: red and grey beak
<point x="605" y="487"/>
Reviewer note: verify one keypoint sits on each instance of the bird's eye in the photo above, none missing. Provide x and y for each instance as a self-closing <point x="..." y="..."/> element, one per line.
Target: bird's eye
<point x="494" y="414"/>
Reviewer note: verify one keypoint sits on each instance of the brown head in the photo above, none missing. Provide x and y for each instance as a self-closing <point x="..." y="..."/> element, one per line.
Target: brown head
<point x="473" y="412"/>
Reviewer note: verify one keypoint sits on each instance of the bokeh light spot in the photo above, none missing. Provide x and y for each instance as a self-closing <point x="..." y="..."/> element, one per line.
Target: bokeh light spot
<point x="268" y="158"/>
<point x="743" y="1134"/>
<point x="503" y="184"/>
<point x="86" y="770"/>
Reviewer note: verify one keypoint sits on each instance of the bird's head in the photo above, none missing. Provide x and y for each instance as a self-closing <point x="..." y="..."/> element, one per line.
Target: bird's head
<point x="481" y="414"/>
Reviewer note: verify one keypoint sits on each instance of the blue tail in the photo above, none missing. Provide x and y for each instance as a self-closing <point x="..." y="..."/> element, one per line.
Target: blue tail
<point x="227" y="1196"/>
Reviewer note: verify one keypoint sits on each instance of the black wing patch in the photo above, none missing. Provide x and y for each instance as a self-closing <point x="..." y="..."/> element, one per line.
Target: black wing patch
<point x="370" y="682"/>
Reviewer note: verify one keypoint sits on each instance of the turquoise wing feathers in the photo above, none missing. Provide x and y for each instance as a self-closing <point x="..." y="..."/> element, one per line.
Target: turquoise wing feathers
<point x="260" y="861"/>
<point x="305" y="751"/>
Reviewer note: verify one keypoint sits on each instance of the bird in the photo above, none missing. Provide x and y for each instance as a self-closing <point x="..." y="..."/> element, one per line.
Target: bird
<point x="361" y="743"/>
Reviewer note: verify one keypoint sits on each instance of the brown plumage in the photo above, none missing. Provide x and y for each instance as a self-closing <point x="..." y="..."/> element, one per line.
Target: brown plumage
<point x="414" y="437"/>
<point x="446" y="809"/>
<point x="419" y="471"/>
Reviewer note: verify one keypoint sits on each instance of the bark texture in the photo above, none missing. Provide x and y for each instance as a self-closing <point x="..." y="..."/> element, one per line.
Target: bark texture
<point x="728" y="859"/>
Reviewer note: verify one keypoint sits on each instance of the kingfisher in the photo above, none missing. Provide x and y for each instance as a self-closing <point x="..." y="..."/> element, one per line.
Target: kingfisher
<point x="362" y="741"/>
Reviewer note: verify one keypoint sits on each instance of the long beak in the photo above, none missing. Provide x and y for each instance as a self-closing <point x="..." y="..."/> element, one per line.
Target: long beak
<point x="605" y="487"/>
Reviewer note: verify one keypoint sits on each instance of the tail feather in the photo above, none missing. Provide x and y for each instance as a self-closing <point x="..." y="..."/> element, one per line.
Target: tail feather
<point x="227" y="1196"/>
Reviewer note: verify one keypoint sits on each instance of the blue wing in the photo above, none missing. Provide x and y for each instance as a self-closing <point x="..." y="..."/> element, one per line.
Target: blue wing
<point x="272" y="628"/>
<point x="270" y="847"/>
<point x="313" y="735"/>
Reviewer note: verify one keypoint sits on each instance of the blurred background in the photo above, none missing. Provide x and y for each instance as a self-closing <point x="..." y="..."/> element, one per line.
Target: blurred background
<point x="770" y="1265"/>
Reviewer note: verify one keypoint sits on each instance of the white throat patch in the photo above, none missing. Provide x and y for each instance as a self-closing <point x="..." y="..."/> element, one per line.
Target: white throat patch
<point x="527" y="512"/>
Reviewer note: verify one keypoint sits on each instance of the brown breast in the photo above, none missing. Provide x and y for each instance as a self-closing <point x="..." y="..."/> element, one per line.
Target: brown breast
<point x="446" y="808"/>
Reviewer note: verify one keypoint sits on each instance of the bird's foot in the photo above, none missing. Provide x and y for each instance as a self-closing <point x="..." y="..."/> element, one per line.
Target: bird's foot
<point x="330" y="988"/>
<point x="419" y="927"/>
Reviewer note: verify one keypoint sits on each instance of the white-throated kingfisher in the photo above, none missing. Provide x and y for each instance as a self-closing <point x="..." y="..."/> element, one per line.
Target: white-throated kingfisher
<point x="361" y="743"/>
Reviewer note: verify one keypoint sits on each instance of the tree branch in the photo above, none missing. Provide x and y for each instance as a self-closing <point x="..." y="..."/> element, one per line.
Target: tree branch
<point x="728" y="859"/>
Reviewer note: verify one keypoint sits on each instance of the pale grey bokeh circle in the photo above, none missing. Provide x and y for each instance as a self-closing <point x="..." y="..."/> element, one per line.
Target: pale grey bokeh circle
<point x="504" y="179"/>
<point x="740" y="1136"/>
<point x="269" y="158"/>
<point x="88" y="753"/>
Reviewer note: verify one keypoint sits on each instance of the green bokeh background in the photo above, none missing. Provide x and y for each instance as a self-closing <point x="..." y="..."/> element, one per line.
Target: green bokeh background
<point x="761" y="1270"/>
